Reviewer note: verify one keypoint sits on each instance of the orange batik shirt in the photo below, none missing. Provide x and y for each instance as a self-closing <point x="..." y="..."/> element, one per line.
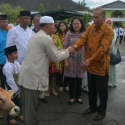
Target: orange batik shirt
<point x="97" y="42"/>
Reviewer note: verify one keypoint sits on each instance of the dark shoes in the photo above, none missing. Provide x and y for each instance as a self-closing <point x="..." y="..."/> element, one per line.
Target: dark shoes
<point x="88" y="111"/>
<point x="71" y="101"/>
<point x="79" y="101"/>
<point x="43" y="100"/>
<point x="1" y="117"/>
<point x="98" y="117"/>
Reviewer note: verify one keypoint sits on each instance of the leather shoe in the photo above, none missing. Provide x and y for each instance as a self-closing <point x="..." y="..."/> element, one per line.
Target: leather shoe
<point x="88" y="111"/>
<point x="43" y="100"/>
<point x="98" y="117"/>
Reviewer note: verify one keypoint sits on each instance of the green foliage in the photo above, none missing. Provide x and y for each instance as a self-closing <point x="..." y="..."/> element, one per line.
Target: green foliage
<point x="41" y="8"/>
<point x="12" y="13"/>
<point x="87" y="18"/>
<point x="58" y="7"/>
<point x="82" y="3"/>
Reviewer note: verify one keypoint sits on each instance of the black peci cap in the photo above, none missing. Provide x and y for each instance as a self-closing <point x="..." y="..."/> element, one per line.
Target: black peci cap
<point x="10" y="49"/>
<point x="25" y="13"/>
<point x="3" y="17"/>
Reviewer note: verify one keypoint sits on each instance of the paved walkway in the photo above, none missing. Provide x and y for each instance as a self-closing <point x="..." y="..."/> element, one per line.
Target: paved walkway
<point x="58" y="112"/>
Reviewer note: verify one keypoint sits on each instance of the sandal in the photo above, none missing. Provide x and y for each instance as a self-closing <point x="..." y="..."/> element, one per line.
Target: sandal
<point x="20" y="117"/>
<point x="54" y="93"/>
<point x="12" y="122"/>
<point x="67" y="89"/>
<point x="46" y="93"/>
<point x="79" y="101"/>
<point x="61" y="89"/>
<point x="71" y="101"/>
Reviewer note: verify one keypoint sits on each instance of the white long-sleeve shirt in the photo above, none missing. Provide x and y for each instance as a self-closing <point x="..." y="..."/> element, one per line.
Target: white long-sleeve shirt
<point x="19" y="37"/>
<point x="120" y="31"/>
<point x="9" y="70"/>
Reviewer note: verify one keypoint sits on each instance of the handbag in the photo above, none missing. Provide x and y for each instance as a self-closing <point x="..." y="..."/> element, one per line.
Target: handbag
<point x="115" y="58"/>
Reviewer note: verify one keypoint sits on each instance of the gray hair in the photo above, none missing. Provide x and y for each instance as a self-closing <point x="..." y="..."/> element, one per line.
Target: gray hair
<point x="101" y="9"/>
<point x="38" y="15"/>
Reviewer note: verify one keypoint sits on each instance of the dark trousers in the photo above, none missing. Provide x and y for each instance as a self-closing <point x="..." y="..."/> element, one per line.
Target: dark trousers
<point x="52" y="81"/>
<point x="29" y="100"/>
<point x="63" y="82"/>
<point x="75" y="88"/>
<point x="98" y="84"/>
<point x="121" y="37"/>
<point x="17" y="101"/>
<point x="66" y="81"/>
<point x="1" y="76"/>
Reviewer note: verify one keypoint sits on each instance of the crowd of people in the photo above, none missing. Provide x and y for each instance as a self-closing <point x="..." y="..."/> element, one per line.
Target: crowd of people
<point x="33" y="61"/>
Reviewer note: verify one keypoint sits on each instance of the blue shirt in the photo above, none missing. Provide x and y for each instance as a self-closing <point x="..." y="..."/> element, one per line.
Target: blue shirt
<point x="3" y="36"/>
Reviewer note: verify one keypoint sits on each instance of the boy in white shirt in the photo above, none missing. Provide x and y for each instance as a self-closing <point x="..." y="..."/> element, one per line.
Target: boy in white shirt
<point x="10" y="71"/>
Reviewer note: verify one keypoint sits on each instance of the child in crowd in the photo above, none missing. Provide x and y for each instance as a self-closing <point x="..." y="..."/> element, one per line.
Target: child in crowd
<point x="10" y="71"/>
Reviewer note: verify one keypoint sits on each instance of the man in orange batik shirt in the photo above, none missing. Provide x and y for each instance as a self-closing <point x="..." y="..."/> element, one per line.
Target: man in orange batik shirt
<point x="97" y="39"/>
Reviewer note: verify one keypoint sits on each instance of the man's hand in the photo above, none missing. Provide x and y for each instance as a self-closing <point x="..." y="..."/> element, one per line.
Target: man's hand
<point x="86" y="63"/>
<point x="71" y="50"/>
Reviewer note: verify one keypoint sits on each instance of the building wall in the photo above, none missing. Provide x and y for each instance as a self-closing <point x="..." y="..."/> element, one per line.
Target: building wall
<point x="123" y="23"/>
<point x="109" y="14"/>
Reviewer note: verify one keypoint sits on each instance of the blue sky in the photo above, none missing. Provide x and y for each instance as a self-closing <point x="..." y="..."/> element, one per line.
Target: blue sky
<point x="95" y="3"/>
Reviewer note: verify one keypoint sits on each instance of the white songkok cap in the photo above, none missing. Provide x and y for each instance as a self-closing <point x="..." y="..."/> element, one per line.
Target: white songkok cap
<point x="46" y="19"/>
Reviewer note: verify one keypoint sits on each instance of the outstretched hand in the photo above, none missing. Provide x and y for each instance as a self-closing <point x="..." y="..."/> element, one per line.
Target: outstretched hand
<point x="86" y="63"/>
<point x="71" y="50"/>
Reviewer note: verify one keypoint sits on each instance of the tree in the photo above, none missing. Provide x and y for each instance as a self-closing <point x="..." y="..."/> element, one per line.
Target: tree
<point x="87" y="18"/>
<point x="82" y="3"/>
<point x="12" y="13"/>
<point x="41" y="8"/>
<point x="58" y="7"/>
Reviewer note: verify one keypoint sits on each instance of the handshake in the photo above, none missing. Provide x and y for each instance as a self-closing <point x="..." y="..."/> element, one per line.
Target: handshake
<point x="71" y="49"/>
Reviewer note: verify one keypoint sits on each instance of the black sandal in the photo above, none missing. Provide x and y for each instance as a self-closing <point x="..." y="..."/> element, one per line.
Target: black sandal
<point x="80" y="102"/>
<point x="71" y="103"/>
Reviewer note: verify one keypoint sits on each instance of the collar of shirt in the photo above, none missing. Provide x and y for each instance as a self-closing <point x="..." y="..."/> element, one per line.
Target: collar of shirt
<point x="100" y="27"/>
<point x="35" y="30"/>
<point x="3" y="30"/>
<point x="15" y="67"/>
<point x="23" y="28"/>
<point x="103" y="27"/>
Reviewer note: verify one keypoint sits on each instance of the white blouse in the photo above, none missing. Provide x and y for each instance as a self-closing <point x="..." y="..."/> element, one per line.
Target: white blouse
<point x="9" y="70"/>
<point x="19" y="37"/>
<point x="121" y="31"/>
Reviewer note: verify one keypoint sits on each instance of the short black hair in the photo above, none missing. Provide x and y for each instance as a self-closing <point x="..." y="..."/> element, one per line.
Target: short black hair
<point x="8" y="54"/>
<point x="71" y="25"/>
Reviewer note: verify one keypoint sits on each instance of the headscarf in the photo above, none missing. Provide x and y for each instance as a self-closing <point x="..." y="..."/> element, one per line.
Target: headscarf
<point x="109" y="22"/>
